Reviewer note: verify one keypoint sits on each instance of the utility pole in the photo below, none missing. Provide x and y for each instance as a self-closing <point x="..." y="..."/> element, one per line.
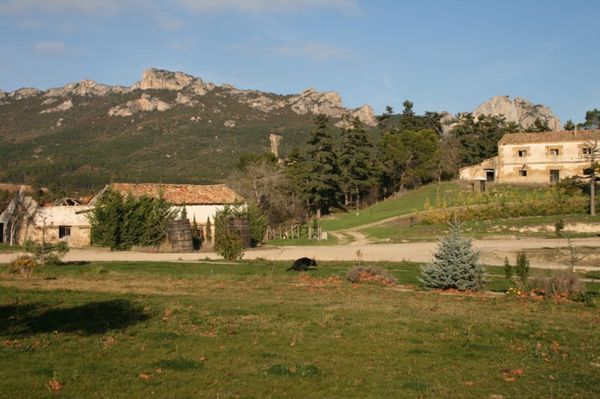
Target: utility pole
<point x="593" y="152"/>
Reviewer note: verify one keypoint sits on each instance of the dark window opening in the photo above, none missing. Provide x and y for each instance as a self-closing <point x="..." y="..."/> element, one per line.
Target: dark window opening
<point x="522" y="153"/>
<point x="523" y="172"/>
<point x="489" y="175"/>
<point x="587" y="151"/>
<point x="554" y="151"/>
<point x="64" y="231"/>
<point x="554" y="175"/>
<point x="587" y="171"/>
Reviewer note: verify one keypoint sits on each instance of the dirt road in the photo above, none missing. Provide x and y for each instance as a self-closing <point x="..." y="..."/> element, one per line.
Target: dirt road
<point x="493" y="252"/>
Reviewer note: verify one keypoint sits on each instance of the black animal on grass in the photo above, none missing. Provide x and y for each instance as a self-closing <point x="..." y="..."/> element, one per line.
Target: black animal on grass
<point x="302" y="264"/>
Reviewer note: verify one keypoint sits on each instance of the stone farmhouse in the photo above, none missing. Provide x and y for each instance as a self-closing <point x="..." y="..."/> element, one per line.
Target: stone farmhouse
<point x="536" y="158"/>
<point x="66" y="220"/>
<point x="201" y="202"/>
<point x="26" y="220"/>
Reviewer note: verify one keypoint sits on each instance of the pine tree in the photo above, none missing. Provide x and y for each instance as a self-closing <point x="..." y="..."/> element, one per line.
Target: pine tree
<point x="356" y="164"/>
<point x="322" y="180"/>
<point x="455" y="265"/>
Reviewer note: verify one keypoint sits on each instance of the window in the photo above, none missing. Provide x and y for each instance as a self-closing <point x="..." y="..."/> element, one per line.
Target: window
<point x="554" y="175"/>
<point x="587" y="151"/>
<point x="523" y="172"/>
<point x="587" y="171"/>
<point x="64" y="231"/>
<point x="522" y="153"/>
<point x="554" y="151"/>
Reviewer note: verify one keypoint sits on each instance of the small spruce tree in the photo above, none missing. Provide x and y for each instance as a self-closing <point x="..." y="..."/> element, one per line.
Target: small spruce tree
<point x="522" y="268"/>
<point x="455" y="265"/>
<point x="508" y="270"/>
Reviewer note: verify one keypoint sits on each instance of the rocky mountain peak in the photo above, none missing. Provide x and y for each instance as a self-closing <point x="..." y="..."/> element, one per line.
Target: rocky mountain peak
<point x="160" y="79"/>
<point x="519" y="110"/>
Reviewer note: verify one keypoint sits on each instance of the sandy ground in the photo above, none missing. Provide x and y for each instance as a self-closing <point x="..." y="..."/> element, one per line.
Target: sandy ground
<point x="492" y="252"/>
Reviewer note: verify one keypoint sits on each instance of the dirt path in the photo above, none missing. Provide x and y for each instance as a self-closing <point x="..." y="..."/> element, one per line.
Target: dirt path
<point x="493" y="252"/>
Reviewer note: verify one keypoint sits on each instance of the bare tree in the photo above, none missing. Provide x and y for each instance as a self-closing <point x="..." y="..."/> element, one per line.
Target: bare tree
<point x="264" y="184"/>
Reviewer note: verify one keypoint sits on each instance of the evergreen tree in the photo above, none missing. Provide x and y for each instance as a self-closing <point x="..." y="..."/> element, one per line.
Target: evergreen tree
<point x="408" y="108"/>
<point x="409" y="158"/>
<point x="356" y="164"/>
<point x="321" y="187"/>
<point x="479" y="137"/>
<point x="592" y="120"/>
<point x="455" y="265"/>
<point x="538" y="126"/>
<point x="120" y="223"/>
<point x="569" y="125"/>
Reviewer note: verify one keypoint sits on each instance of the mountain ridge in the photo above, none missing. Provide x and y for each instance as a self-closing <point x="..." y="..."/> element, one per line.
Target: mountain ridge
<point x="167" y="127"/>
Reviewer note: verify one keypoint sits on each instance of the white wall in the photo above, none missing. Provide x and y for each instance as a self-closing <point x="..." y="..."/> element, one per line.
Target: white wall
<point x="61" y="216"/>
<point x="201" y="212"/>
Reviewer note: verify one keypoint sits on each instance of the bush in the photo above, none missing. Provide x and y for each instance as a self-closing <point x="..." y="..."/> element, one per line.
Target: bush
<point x="123" y="222"/>
<point x="508" y="270"/>
<point x="24" y="265"/>
<point x="229" y="245"/>
<point x="47" y="254"/>
<point x="360" y="274"/>
<point x="522" y="268"/>
<point x="593" y="274"/>
<point x="546" y="206"/>
<point x="455" y="265"/>
<point x="562" y="284"/>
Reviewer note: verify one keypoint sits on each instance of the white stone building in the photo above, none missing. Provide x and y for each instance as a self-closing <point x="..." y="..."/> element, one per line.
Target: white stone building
<point x="537" y="158"/>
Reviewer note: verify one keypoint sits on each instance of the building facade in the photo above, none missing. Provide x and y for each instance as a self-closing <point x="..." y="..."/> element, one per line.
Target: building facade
<point x="537" y="158"/>
<point x="68" y="219"/>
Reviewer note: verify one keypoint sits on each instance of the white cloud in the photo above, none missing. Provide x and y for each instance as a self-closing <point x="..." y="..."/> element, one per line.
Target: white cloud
<point x="50" y="48"/>
<point x="168" y="23"/>
<point x="268" y="6"/>
<point x="314" y="51"/>
<point x="68" y="6"/>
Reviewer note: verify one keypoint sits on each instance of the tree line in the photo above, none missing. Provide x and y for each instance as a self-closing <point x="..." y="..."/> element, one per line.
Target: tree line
<point x="352" y="166"/>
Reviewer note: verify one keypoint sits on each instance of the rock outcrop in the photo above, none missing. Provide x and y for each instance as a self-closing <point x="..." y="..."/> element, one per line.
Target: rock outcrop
<point x="85" y="88"/>
<point x="25" y="92"/>
<point x="366" y="115"/>
<point x="159" y="79"/>
<point x="274" y="141"/>
<point x="311" y="101"/>
<point x="145" y="103"/>
<point x="189" y="88"/>
<point x="519" y="110"/>
<point x="64" y="106"/>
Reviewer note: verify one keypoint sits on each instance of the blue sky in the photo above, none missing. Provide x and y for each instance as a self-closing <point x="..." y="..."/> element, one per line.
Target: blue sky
<point x="442" y="55"/>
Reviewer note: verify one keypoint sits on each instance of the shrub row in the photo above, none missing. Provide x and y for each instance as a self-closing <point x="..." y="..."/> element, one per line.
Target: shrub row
<point x="537" y="207"/>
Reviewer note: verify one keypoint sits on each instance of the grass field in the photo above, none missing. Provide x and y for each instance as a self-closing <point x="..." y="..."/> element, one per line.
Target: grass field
<point x="517" y="227"/>
<point x="252" y="330"/>
<point x="410" y="202"/>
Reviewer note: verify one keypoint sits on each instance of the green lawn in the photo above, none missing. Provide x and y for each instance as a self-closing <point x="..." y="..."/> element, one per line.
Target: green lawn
<point x="410" y="202"/>
<point x="432" y="196"/>
<point x="252" y="330"/>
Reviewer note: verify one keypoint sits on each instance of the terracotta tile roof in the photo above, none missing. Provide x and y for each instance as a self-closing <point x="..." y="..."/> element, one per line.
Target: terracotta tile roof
<point x="556" y="136"/>
<point x="180" y="194"/>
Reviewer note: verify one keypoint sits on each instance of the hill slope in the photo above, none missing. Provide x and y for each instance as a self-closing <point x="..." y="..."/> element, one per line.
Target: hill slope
<point x="169" y="126"/>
